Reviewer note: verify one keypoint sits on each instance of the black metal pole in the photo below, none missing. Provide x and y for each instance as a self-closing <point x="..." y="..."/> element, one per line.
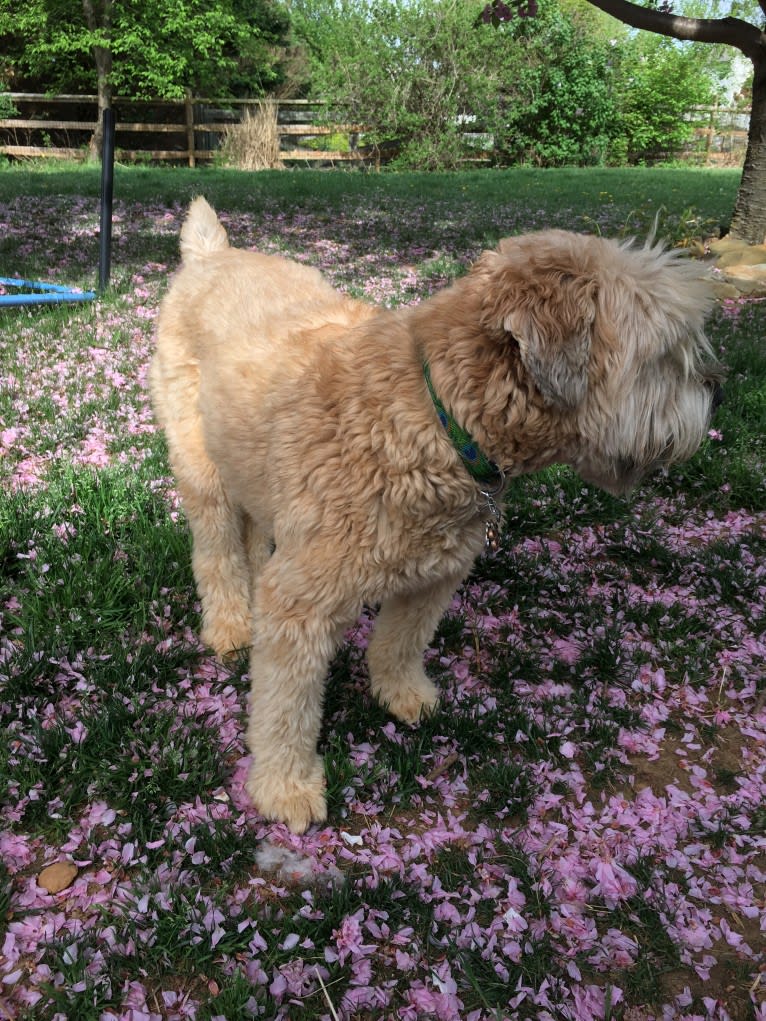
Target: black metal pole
<point x="107" y="192"/>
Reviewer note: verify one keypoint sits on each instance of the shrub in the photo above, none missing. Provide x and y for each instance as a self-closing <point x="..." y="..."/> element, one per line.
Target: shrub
<point x="657" y="84"/>
<point x="559" y="107"/>
<point x="410" y="70"/>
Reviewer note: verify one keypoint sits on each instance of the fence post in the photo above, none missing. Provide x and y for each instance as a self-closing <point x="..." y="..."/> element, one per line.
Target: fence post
<point x="190" y="128"/>
<point x="710" y="131"/>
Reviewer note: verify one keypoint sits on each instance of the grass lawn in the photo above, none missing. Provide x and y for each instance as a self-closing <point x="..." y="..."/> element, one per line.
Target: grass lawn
<point x="578" y="833"/>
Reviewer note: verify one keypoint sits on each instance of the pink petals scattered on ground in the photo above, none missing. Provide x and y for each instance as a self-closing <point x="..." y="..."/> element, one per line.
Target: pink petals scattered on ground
<point x="626" y="711"/>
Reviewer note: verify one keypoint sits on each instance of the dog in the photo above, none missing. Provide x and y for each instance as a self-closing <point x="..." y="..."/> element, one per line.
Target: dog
<point x="331" y="454"/>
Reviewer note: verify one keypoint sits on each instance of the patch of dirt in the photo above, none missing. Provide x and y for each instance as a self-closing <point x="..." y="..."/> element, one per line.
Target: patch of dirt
<point x="667" y="768"/>
<point x="726" y="984"/>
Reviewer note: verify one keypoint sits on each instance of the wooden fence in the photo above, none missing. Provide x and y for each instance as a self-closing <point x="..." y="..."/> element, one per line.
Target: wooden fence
<point x="186" y="130"/>
<point x="720" y="135"/>
<point x="190" y="130"/>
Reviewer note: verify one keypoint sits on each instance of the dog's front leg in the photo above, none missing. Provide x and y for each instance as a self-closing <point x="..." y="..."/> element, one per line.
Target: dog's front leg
<point x="404" y="627"/>
<point x="295" y="636"/>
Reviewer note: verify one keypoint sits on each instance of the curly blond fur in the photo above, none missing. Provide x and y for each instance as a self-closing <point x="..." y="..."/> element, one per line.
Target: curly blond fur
<point x="315" y="473"/>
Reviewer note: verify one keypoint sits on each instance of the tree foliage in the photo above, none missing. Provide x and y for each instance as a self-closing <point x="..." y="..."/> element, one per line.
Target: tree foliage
<point x="660" y="83"/>
<point x="552" y="82"/>
<point x="559" y="106"/>
<point x="411" y="70"/>
<point x="157" y="48"/>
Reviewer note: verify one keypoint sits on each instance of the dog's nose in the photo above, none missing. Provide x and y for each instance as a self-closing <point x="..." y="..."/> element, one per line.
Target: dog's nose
<point x="717" y="397"/>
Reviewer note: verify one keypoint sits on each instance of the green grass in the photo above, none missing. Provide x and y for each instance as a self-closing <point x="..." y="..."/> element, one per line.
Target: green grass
<point x="685" y="202"/>
<point x="107" y="546"/>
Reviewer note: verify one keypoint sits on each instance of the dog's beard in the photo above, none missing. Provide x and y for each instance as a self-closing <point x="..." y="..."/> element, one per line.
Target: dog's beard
<point x="657" y="427"/>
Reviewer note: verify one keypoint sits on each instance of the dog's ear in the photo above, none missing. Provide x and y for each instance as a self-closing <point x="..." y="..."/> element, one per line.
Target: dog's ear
<point x="552" y="326"/>
<point x="548" y="307"/>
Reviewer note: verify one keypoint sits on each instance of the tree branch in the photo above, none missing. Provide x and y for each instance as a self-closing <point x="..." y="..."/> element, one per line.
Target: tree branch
<point x="729" y="31"/>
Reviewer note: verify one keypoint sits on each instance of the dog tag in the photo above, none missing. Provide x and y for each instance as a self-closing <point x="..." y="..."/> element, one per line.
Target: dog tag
<point x="492" y="526"/>
<point x="491" y="538"/>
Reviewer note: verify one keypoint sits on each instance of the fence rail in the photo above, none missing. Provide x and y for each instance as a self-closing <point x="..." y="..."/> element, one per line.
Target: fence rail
<point x="192" y="128"/>
<point x="721" y="133"/>
<point x="192" y="136"/>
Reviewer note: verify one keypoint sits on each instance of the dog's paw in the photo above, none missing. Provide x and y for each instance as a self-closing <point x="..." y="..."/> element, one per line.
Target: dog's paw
<point x="227" y="638"/>
<point x="296" y="802"/>
<point x="410" y="700"/>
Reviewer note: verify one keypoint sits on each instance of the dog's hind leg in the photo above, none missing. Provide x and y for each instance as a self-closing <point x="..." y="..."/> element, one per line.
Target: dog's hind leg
<point x="404" y="627"/>
<point x="219" y="560"/>
<point x="220" y="567"/>
<point x="296" y="632"/>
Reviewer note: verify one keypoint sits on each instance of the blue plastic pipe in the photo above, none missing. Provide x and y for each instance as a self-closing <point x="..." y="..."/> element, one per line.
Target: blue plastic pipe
<point x="52" y="294"/>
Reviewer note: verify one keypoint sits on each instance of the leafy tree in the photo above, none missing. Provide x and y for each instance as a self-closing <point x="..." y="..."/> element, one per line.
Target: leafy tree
<point x="558" y="105"/>
<point x="749" y="217"/>
<point x="416" y="72"/>
<point x="146" y="48"/>
<point x="657" y="84"/>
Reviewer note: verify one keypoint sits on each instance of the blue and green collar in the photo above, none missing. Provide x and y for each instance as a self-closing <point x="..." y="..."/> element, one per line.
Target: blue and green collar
<point x="488" y="474"/>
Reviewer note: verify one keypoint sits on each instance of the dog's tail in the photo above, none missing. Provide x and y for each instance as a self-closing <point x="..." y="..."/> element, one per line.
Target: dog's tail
<point x="202" y="233"/>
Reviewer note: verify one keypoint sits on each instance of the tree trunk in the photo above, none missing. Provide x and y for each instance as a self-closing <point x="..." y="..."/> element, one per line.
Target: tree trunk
<point x="749" y="219"/>
<point x="103" y="58"/>
<point x="103" y="67"/>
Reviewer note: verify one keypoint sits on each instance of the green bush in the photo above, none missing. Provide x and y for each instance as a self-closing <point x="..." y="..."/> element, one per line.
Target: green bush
<point x="657" y="84"/>
<point x="559" y="108"/>
<point x="560" y="85"/>
<point x="411" y="70"/>
<point x="7" y="107"/>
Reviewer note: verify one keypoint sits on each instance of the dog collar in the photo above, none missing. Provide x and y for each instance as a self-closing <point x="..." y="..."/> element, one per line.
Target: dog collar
<point x="479" y="466"/>
<point x="482" y="469"/>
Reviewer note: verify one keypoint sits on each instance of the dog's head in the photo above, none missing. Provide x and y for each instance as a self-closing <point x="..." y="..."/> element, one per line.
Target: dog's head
<point x="611" y="338"/>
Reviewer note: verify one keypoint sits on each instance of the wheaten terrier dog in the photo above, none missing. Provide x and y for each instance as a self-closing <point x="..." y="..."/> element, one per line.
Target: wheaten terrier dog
<point x="330" y="454"/>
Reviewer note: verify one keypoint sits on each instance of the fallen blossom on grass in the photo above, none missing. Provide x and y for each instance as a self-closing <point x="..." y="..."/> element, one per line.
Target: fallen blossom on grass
<point x="578" y="832"/>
